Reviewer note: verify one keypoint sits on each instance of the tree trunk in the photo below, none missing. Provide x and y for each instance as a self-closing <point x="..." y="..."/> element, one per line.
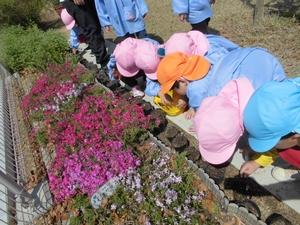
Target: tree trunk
<point x="259" y="11"/>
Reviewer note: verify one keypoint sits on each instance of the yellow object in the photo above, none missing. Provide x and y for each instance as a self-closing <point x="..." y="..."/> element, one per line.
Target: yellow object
<point x="170" y="110"/>
<point x="266" y="159"/>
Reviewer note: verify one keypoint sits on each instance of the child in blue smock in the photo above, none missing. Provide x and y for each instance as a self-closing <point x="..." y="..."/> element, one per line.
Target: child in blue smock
<point x="125" y="16"/>
<point x="196" y="12"/>
<point x="123" y="64"/>
<point x="256" y="64"/>
<point x="212" y="47"/>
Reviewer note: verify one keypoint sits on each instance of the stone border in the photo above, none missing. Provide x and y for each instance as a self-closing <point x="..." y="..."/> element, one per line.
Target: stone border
<point x="243" y="213"/>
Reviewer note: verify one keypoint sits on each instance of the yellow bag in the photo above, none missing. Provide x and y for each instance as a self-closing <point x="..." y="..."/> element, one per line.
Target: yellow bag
<point x="170" y="110"/>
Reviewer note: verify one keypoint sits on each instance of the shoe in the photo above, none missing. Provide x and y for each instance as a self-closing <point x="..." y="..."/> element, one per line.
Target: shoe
<point x="281" y="174"/>
<point x="137" y="93"/>
<point x="101" y="76"/>
<point x="104" y="61"/>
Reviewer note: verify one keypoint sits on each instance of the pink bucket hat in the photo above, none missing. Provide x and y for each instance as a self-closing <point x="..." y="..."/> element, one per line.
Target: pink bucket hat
<point x="146" y="58"/>
<point x="219" y="121"/>
<point x="67" y="19"/>
<point x="190" y="43"/>
<point x="124" y="55"/>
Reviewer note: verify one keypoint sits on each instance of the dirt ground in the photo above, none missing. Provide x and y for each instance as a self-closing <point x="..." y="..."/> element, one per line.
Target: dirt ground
<point x="234" y="20"/>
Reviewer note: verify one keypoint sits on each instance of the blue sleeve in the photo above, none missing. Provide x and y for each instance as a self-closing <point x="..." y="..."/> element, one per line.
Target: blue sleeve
<point x="111" y="65"/>
<point x="102" y="13"/>
<point x="152" y="87"/>
<point x="224" y="42"/>
<point x="151" y="40"/>
<point x="197" y="91"/>
<point x="74" y="41"/>
<point x="141" y="4"/>
<point x="180" y="6"/>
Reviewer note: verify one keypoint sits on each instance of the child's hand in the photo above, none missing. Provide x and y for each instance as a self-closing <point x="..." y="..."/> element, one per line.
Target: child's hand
<point x="165" y="99"/>
<point x="117" y="75"/>
<point x="181" y="103"/>
<point x="107" y="28"/>
<point x="190" y="114"/>
<point x="248" y="168"/>
<point x="74" y="51"/>
<point x="183" y="17"/>
<point x="79" y="2"/>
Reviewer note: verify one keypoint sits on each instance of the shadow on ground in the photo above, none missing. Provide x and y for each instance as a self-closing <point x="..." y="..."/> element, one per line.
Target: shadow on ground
<point x="286" y="8"/>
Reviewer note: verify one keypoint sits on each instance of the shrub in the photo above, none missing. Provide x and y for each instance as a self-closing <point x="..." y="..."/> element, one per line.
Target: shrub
<point x="22" y="48"/>
<point x="20" y="12"/>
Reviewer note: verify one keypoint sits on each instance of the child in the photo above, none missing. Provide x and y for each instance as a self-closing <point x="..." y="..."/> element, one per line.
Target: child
<point x="70" y="24"/>
<point x="134" y="57"/>
<point x="256" y="64"/>
<point x="196" y="12"/>
<point x="219" y="122"/>
<point x="125" y="16"/>
<point x="272" y="118"/>
<point x="85" y="15"/>
<point x="212" y="47"/>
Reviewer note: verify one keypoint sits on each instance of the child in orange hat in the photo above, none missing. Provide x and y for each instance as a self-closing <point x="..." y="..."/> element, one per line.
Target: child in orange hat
<point x="194" y="77"/>
<point x="178" y="72"/>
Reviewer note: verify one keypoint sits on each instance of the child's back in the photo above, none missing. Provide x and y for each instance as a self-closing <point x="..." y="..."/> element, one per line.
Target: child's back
<point x="125" y="16"/>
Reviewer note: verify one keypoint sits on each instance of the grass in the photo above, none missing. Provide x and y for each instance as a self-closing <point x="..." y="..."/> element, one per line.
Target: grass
<point x="234" y="20"/>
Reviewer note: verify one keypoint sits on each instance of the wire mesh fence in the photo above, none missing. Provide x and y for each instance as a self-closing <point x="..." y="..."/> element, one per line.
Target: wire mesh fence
<point x="24" y="191"/>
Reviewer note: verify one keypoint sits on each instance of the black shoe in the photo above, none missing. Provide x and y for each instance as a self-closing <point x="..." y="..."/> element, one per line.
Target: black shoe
<point x="113" y="85"/>
<point x="104" y="61"/>
<point x="102" y="76"/>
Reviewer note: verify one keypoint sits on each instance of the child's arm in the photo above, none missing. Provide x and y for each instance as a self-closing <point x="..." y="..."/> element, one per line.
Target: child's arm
<point x="102" y="13"/>
<point x="142" y="6"/>
<point x="111" y="66"/>
<point x="259" y="160"/>
<point x="181" y="7"/>
<point x="74" y="41"/>
<point x="190" y="114"/>
<point x="152" y="87"/>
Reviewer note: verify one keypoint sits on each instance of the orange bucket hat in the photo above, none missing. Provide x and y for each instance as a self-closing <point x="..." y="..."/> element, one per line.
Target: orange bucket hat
<point x="176" y="65"/>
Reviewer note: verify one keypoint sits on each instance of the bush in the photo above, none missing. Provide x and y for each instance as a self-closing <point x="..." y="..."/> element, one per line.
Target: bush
<point x="22" y="48"/>
<point x="20" y="11"/>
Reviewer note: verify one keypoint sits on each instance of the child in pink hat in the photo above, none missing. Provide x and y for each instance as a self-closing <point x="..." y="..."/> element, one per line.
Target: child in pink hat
<point x="212" y="47"/>
<point x="135" y="62"/>
<point x="70" y="24"/>
<point x="219" y="123"/>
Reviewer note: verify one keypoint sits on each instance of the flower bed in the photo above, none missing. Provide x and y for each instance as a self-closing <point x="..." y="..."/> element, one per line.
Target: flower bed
<point x="162" y="190"/>
<point x="93" y="136"/>
<point x="86" y="128"/>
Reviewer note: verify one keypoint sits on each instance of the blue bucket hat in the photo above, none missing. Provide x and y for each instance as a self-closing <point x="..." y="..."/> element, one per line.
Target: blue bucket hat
<point x="272" y="112"/>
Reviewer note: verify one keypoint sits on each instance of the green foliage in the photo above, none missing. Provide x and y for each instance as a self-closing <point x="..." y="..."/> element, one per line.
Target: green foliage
<point x="75" y="221"/>
<point x="81" y="201"/>
<point x="42" y="137"/>
<point x="37" y="116"/>
<point x="31" y="48"/>
<point x="20" y="12"/>
<point x="134" y="135"/>
<point x="87" y="78"/>
<point x="95" y="91"/>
